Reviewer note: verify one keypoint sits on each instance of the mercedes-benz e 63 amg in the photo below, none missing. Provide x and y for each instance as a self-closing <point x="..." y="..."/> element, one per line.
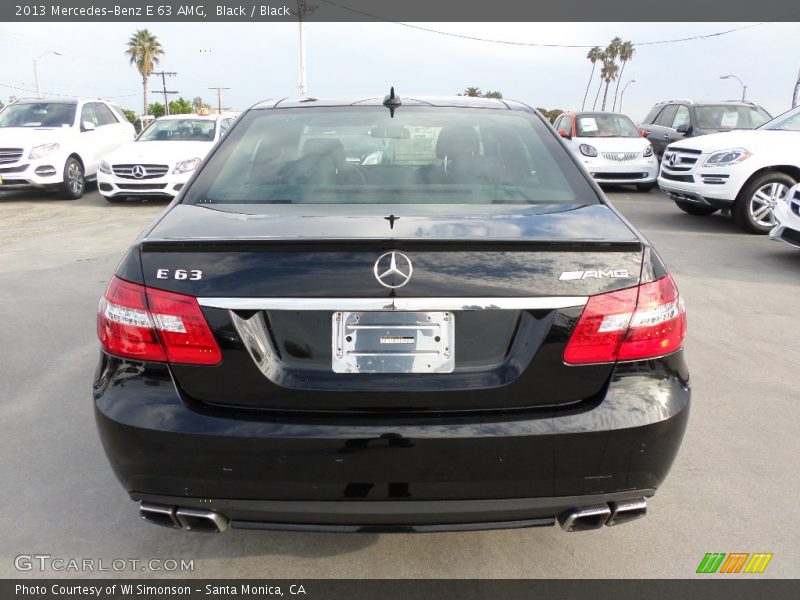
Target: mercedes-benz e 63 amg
<point x="387" y="314"/>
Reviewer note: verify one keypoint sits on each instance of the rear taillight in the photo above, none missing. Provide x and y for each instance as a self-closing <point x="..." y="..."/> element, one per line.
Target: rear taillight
<point x="631" y="324"/>
<point x="147" y="324"/>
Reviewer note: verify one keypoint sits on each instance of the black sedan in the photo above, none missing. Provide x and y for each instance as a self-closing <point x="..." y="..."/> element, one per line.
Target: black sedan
<point x="388" y="314"/>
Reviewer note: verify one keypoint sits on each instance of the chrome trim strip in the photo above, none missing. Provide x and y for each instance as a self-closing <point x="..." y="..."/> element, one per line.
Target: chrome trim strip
<point x="413" y="304"/>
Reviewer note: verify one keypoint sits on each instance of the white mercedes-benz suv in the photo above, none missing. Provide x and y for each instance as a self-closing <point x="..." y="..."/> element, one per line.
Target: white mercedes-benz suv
<point x="748" y="172"/>
<point x="56" y="144"/>
<point x="162" y="159"/>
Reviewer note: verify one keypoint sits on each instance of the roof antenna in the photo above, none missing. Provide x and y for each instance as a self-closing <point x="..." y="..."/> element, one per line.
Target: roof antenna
<point x="392" y="102"/>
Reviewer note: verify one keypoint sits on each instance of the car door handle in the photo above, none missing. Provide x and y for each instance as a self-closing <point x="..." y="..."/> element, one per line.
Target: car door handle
<point x="666" y="136"/>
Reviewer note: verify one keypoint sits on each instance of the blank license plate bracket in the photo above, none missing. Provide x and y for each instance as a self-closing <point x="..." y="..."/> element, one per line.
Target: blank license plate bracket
<point x="393" y="342"/>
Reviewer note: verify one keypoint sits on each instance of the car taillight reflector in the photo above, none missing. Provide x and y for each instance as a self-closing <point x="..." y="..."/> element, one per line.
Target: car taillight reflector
<point x="147" y="324"/>
<point x="631" y="324"/>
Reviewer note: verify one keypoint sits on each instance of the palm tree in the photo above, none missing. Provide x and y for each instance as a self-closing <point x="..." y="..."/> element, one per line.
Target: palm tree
<point x="608" y="74"/>
<point x="594" y="55"/>
<point x="626" y="52"/>
<point x="603" y="59"/>
<point x="497" y="95"/>
<point x="144" y="51"/>
<point x="472" y="91"/>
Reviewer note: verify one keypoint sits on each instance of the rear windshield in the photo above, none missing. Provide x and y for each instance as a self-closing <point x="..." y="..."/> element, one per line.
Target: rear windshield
<point x="360" y="155"/>
<point x="605" y="126"/>
<point x="38" y="114"/>
<point x="179" y="130"/>
<point x="730" y="117"/>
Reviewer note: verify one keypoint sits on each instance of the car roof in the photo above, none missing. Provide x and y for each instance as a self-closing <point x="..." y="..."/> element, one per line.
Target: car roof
<point x="54" y="100"/>
<point x="191" y="116"/>
<point x="599" y="113"/>
<point x="415" y="100"/>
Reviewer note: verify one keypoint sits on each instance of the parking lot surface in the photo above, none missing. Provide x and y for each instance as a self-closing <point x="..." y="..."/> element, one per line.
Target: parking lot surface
<point x="733" y="488"/>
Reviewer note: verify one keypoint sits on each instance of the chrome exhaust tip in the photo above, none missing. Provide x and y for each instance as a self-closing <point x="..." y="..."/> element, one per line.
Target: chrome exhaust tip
<point x="584" y="519"/>
<point x="626" y="511"/>
<point x="158" y="514"/>
<point x="206" y="521"/>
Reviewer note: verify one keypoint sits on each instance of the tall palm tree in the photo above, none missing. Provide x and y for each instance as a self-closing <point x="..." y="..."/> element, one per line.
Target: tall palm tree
<point x="608" y="74"/>
<point x="144" y="51"/>
<point x="594" y="55"/>
<point x="473" y="92"/>
<point x="626" y="52"/>
<point x="603" y="59"/>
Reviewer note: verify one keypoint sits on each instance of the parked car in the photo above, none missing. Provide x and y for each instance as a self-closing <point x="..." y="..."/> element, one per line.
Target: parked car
<point x="676" y="120"/>
<point x="787" y="217"/>
<point x="461" y="334"/>
<point x="56" y="144"/>
<point x="748" y="172"/>
<point x="611" y="148"/>
<point x="161" y="160"/>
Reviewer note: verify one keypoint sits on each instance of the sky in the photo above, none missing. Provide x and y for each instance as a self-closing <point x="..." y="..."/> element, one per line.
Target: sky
<point x="259" y="60"/>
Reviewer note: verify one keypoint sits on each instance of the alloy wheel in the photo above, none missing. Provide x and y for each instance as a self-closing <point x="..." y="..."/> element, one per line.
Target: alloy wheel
<point x="763" y="203"/>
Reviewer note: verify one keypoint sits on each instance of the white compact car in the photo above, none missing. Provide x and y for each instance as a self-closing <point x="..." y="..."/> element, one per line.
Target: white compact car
<point x="611" y="148"/>
<point x="787" y="215"/>
<point x="162" y="159"/>
<point x="57" y="144"/>
<point x="748" y="172"/>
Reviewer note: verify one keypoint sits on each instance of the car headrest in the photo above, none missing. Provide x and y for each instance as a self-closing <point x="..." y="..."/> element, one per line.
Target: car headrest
<point x="457" y="141"/>
<point x="323" y="146"/>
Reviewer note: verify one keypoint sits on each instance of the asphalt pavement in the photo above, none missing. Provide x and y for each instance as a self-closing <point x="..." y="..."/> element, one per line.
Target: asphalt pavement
<point x="733" y="488"/>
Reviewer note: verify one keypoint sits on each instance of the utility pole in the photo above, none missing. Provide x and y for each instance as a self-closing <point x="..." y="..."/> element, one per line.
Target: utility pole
<point x="304" y="9"/>
<point x="219" y="97"/>
<point x="164" y="75"/>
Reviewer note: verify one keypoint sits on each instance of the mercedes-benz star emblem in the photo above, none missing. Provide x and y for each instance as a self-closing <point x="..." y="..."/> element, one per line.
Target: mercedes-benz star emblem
<point x="138" y="171"/>
<point x="393" y="269"/>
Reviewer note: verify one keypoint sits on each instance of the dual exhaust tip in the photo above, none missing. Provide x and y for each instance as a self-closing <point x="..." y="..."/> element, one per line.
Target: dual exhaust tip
<point x="579" y="519"/>
<point x="191" y="519"/>
<point x="597" y="515"/>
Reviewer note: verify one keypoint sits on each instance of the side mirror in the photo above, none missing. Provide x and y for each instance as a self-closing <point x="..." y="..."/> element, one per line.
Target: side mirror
<point x="88" y="126"/>
<point x="564" y="134"/>
<point x="684" y="129"/>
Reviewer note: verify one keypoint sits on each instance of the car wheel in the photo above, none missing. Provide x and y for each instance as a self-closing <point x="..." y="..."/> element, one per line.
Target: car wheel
<point x="695" y="209"/>
<point x="645" y="187"/>
<point x="74" y="183"/>
<point x="753" y="210"/>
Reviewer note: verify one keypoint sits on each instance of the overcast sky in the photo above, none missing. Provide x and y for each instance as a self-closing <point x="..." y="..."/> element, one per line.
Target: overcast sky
<point x="259" y="60"/>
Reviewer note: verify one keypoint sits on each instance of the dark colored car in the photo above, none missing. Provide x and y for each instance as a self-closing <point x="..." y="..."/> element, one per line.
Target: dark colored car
<point x="372" y="315"/>
<point x="678" y="119"/>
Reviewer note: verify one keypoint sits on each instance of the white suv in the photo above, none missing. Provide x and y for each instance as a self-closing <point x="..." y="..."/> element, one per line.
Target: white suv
<point x="748" y="172"/>
<point x="56" y="144"/>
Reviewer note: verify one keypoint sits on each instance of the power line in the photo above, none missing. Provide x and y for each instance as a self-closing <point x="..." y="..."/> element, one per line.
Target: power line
<point x="219" y="97"/>
<point x="14" y="87"/>
<point x="537" y="44"/>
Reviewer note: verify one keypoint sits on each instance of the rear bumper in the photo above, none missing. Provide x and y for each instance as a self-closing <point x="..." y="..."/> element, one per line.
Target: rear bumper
<point x="425" y="472"/>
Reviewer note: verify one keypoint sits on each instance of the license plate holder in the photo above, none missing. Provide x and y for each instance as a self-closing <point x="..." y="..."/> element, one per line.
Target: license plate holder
<point x="393" y="342"/>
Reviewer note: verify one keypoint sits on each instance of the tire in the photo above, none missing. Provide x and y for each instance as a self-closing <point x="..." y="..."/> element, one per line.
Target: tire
<point x="754" y="206"/>
<point x="645" y="187"/>
<point x="695" y="209"/>
<point x="74" y="183"/>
